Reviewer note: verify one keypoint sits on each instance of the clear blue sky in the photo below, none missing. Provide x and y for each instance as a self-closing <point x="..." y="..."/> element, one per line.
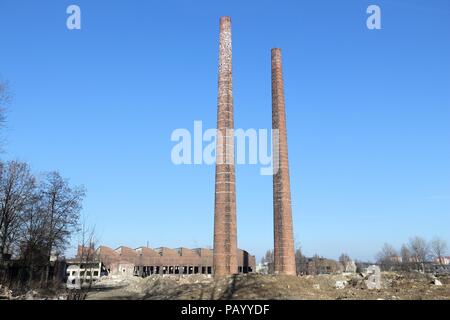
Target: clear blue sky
<point x="368" y="115"/>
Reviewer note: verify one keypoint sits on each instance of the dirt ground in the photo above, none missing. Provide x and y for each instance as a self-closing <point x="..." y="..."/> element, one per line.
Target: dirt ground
<point x="395" y="286"/>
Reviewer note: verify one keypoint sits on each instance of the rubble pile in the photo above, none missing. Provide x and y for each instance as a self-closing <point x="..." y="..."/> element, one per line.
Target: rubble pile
<point x="5" y="293"/>
<point x="372" y="285"/>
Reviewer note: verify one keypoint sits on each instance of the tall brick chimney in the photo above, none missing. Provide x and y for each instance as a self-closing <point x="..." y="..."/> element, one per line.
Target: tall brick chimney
<point x="284" y="252"/>
<point x="225" y="236"/>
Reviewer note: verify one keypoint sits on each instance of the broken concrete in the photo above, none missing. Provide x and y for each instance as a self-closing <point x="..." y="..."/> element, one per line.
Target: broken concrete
<point x="373" y="278"/>
<point x="340" y="284"/>
<point x="437" y="282"/>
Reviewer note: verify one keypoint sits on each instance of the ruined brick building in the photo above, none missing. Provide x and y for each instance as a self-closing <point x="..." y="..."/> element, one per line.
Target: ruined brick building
<point x="145" y="261"/>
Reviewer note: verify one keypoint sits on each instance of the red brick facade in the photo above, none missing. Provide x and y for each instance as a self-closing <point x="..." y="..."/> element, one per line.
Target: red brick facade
<point x="146" y="261"/>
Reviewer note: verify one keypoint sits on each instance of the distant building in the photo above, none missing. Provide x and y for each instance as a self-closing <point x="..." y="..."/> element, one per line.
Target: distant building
<point x="394" y="259"/>
<point x="414" y="260"/>
<point x="442" y="260"/>
<point x="79" y="273"/>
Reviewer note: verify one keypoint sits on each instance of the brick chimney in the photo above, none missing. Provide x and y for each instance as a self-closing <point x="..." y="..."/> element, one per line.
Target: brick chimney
<point x="225" y="236"/>
<point x="284" y="252"/>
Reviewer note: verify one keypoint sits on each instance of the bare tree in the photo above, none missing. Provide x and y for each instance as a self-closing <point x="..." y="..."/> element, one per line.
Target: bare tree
<point x="32" y="237"/>
<point x="405" y="254"/>
<point x="269" y="260"/>
<point x="420" y="252"/>
<point x="36" y="221"/>
<point x="88" y="261"/>
<point x="61" y="205"/>
<point x="439" y="249"/>
<point x="345" y="260"/>
<point x="301" y="262"/>
<point x="16" y="196"/>
<point x="86" y="243"/>
<point x="388" y="254"/>
<point x="314" y="267"/>
<point x="5" y="99"/>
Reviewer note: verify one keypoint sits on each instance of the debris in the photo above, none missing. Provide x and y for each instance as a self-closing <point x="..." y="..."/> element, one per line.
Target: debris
<point x="395" y="286"/>
<point x="340" y="284"/>
<point x="30" y="295"/>
<point x="437" y="282"/>
<point x="5" y="293"/>
<point x="350" y="267"/>
<point x="373" y="278"/>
